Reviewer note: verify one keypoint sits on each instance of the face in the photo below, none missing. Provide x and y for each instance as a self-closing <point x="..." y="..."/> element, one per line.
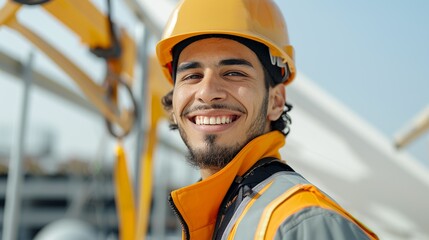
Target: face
<point x="220" y="101"/>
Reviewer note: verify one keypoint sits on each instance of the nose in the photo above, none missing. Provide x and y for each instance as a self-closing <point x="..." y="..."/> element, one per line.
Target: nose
<point x="210" y="89"/>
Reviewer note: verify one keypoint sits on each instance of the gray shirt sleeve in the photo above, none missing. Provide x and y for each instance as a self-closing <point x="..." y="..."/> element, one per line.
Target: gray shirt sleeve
<point x="317" y="223"/>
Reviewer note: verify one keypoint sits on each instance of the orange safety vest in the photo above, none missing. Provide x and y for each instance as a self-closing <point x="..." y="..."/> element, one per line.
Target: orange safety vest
<point x="197" y="205"/>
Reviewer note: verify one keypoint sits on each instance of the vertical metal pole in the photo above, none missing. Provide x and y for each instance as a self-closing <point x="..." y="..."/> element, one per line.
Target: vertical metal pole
<point x="160" y="196"/>
<point x="141" y="121"/>
<point x="14" y="179"/>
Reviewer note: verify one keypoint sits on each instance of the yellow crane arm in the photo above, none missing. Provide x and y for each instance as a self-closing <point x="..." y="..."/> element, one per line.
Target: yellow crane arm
<point x="83" y="18"/>
<point x="92" y="27"/>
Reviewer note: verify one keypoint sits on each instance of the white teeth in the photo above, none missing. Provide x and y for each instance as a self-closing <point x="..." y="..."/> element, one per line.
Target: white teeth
<point x="218" y="120"/>
<point x="202" y="120"/>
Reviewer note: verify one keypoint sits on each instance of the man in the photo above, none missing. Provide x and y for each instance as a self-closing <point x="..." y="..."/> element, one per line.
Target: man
<point x="229" y="61"/>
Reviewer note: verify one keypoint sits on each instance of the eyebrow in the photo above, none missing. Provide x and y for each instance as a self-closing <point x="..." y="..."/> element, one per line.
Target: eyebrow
<point x="226" y="62"/>
<point x="187" y="65"/>
<point x="235" y="61"/>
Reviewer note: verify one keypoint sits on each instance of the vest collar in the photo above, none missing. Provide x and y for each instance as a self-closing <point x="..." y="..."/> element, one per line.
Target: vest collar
<point x="199" y="203"/>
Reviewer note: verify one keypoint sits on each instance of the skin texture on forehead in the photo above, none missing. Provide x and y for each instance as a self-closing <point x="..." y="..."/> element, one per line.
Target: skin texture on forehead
<point x="220" y="101"/>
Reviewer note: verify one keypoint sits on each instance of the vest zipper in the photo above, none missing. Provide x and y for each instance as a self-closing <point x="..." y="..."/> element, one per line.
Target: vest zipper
<point x="182" y="222"/>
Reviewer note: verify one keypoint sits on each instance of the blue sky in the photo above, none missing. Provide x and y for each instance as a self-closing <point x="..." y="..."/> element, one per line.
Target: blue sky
<point x="372" y="56"/>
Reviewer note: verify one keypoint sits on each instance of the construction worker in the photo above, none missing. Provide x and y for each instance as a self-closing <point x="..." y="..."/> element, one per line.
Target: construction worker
<point x="229" y="62"/>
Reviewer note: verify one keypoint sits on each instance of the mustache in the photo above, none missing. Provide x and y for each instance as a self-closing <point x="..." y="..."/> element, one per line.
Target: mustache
<point x="215" y="106"/>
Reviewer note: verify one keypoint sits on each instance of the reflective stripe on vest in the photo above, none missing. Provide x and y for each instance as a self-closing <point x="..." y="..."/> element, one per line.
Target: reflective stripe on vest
<point x="274" y="201"/>
<point x="250" y="210"/>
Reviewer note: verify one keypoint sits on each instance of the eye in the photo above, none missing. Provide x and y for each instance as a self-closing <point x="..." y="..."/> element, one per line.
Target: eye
<point x="235" y="74"/>
<point x="192" y="76"/>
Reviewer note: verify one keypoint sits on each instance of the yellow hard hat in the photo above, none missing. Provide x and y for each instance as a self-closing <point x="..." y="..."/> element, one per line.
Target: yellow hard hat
<point x="258" y="20"/>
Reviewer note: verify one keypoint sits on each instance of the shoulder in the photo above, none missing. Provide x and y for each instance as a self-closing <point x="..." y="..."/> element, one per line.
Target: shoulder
<point x="296" y="209"/>
<point x="287" y="206"/>
<point x="305" y="212"/>
<point x="319" y="223"/>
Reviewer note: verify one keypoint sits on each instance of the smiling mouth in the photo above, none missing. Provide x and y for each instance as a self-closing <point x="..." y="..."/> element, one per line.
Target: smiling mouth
<point x="214" y="120"/>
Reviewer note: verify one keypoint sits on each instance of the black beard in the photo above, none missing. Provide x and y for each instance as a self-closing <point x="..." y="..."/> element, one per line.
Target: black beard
<point x="217" y="157"/>
<point x="214" y="156"/>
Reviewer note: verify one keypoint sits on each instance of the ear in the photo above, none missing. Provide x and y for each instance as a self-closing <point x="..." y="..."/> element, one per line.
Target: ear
<point x="277" y="100"/>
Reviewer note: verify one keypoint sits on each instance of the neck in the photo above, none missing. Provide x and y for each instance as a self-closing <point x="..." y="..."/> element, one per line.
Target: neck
<point x="207" y="172"/>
